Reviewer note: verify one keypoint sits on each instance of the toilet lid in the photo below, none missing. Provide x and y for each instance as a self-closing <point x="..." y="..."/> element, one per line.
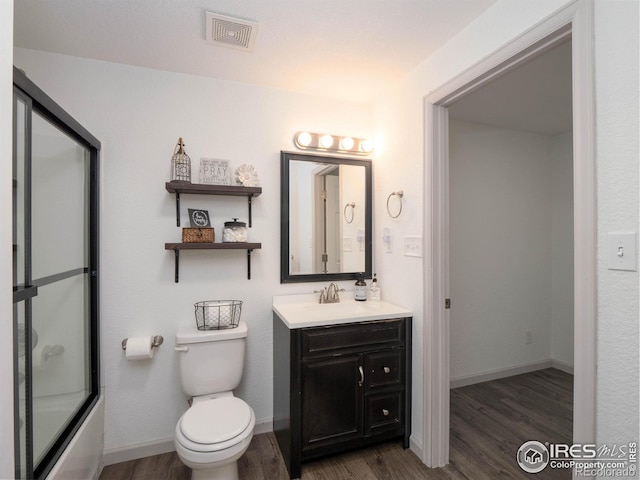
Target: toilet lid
<point x="216" y="420"/>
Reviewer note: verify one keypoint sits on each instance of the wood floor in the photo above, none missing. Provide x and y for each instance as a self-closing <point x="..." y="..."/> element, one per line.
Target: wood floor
<point x="489" y="422"/>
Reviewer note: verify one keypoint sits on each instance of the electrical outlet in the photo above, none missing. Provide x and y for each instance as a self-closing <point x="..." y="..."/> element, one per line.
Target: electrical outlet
<point x="528" y="337"/>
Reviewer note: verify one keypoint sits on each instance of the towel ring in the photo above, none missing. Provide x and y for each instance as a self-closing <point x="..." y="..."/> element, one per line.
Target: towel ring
<point x="399" y="194"/>
<point x="344" y="212"/>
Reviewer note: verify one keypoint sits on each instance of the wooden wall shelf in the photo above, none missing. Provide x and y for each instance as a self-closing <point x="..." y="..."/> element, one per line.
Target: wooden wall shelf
<point x="176" y="247"/>
<point x="201" y="189"/>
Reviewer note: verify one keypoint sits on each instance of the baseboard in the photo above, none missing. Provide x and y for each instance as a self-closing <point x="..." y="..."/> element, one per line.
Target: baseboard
<point x="263" y="426"/>
<point x="138" y="450"/>
<point x="501" y="373"/>
<point x="416" y="448"/>
<point x="562" y="366"/>
<point x="158" y="447"/>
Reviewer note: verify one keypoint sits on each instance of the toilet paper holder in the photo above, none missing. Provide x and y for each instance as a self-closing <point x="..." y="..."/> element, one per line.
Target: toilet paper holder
<point x="157" y="341"/>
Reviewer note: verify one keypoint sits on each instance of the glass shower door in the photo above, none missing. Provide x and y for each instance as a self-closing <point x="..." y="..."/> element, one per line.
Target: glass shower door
<point x="55" y="289"/>
<point x="59" y="264"/>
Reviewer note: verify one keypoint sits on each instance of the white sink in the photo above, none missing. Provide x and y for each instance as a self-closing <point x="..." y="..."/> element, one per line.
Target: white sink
<point x="298" y="311"/>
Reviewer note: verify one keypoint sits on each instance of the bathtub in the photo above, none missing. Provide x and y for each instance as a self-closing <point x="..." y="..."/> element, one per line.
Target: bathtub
<point x="82" y="459"/>
<point x="50" y="415"/>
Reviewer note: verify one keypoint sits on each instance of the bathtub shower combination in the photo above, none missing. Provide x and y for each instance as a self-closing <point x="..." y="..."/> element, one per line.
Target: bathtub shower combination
<point x="55" y="278"/>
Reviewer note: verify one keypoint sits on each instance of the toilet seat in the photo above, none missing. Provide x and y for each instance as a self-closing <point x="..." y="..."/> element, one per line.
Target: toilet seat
<point x="216" y="424"/>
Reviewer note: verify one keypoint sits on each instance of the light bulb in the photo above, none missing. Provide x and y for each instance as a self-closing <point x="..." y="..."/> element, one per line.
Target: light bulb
<point x="303" y="139"/>
<point x="326" y="141"/>
<point x="366" y="146"/>
<point x="346" y="143"/>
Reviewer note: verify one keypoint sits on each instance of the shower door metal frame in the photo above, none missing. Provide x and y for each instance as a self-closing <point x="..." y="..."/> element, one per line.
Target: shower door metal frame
<point x="36" y="100"/>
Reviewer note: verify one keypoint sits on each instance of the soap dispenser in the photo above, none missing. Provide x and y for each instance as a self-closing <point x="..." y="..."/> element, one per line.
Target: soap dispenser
<point x="374" y="290"/>
<point x="361" y="289"/>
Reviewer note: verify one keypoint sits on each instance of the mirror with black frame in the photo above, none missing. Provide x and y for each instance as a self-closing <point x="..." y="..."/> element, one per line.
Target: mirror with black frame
<point x="326" y="219"/>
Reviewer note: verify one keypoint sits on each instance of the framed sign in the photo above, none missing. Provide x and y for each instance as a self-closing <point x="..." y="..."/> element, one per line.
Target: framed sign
<point x="199" y="218"/>
<point x="214" y="172"/>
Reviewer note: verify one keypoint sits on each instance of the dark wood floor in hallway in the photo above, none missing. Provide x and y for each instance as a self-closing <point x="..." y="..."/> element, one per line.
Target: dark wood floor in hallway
<point x="489" y="422"/>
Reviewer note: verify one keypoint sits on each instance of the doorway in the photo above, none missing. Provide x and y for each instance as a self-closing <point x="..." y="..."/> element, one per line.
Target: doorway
<point x="511" y="265"/>
<point x="510" y="223"/>
<point x="575" y="22"/>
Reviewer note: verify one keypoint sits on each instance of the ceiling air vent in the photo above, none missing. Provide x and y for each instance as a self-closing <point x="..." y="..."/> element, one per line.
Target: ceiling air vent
<point x="231" y="32"/>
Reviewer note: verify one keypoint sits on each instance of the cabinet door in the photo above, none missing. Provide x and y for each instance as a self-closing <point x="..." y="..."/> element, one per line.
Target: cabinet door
<point x="331" y="401"/>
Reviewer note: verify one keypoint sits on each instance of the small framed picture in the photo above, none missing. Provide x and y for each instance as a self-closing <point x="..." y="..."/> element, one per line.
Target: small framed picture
<point x="214" y="172"/>
<point x="199" y="218"/>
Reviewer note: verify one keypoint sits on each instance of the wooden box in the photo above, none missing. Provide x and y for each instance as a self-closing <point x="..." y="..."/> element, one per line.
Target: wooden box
<point x="198" y="235"/>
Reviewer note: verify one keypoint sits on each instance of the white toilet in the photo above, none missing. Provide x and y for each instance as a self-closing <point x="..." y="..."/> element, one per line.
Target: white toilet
<point x="216" y="431"/>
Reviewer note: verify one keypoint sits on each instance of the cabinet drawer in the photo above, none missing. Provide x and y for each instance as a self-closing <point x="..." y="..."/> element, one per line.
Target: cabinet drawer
<point x="384" y="369"/>
<point x="360" y="337"/>
<point x="383" y="412"/>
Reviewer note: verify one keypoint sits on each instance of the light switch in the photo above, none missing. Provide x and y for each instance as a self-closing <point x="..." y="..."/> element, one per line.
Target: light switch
<point x="413" y="246"/>
<point x="622" y="251"/>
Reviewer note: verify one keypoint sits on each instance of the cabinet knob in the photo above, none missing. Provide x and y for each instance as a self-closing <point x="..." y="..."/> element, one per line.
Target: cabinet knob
<point x="386" y="369"/>
<point x="385" y="412"/>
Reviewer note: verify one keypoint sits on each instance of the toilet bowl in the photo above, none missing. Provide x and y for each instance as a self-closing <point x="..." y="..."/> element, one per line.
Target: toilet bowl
<point x="212" y="435"/>
<point x="217" y="429"/>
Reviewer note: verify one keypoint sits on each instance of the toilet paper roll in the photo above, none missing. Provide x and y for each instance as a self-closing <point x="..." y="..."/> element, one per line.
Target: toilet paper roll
<point x="139" y="348"/>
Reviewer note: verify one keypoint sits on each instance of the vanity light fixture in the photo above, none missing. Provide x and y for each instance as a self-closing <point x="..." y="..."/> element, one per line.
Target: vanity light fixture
<point x="333" y="143"/>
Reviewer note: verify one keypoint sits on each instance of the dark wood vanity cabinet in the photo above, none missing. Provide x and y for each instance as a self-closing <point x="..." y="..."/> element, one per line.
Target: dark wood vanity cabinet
<point x="340" y="387"/>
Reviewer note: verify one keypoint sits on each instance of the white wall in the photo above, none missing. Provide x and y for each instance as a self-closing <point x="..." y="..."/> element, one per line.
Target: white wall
<point x="562" y="249"/>
<point x="500" y="248"/>
<point x="400" y="165"/>
<point x="138" y="114"/>
<point x="511" y="231"/>
<point x="6" y="301"/>
<point x="617" y="150"/>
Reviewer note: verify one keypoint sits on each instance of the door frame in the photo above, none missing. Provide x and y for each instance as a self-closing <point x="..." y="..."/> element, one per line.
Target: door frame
<point x="575" y="20"/>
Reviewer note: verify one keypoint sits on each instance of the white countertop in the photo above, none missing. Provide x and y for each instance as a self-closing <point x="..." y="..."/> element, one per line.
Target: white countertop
<point x="298" y="311"/>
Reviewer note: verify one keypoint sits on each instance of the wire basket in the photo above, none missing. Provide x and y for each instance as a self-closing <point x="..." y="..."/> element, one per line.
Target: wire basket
<point x="217" y="314"/>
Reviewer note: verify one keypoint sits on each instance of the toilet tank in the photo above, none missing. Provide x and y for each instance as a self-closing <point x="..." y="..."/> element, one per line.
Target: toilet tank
<point x="210" y="361"/>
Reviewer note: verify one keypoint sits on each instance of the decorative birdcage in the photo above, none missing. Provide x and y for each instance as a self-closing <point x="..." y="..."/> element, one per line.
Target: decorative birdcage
<point x="180" y="164"/>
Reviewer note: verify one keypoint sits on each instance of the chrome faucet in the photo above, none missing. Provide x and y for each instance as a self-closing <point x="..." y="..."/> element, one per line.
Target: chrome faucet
<point x="329" y="294"/>
<point x="332" y="293"/>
